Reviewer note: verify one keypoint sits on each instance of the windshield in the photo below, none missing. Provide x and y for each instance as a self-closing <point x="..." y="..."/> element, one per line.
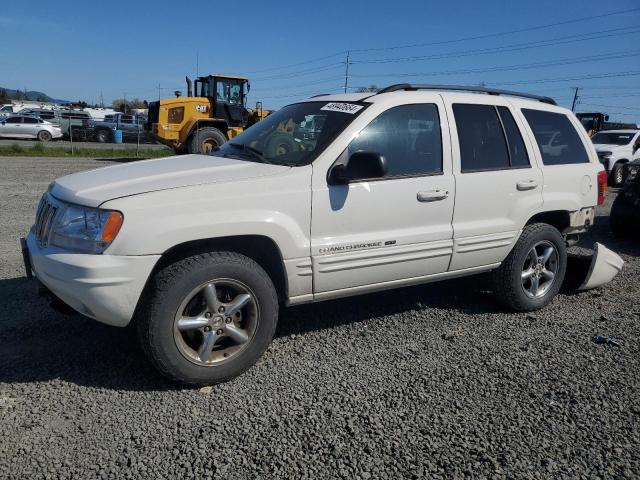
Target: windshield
<point x="294" y="135"/>
<point x="610" y="138"/>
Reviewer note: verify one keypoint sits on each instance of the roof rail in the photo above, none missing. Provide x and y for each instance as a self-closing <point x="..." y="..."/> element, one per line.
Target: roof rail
<point x="462" y="88"/>
<point x="320" y="95"/>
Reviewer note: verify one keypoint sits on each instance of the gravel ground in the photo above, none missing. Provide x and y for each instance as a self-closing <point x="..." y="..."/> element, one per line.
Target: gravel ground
<point x="433" y="381"/>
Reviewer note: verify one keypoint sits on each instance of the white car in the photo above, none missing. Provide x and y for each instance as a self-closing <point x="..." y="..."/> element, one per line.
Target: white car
<point x="410" y="185"/>
<point x="25" y="126"/>
<point x="616" y="148"/>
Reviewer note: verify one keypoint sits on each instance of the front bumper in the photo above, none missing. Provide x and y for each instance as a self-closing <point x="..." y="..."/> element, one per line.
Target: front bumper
<point x="103" y="287"/>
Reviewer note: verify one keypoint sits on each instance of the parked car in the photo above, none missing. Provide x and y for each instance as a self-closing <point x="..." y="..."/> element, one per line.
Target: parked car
<point x="70" y="121"/>
<point x="130" y="125"/>
<point x="25" y="126"/>
<point x="624" y="218"/>
<point x="616" y="148"/>
<point x="410" y="185"/>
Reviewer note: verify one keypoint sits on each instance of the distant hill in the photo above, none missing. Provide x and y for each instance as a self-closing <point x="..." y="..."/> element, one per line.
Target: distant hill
<point x="33" y="95"/>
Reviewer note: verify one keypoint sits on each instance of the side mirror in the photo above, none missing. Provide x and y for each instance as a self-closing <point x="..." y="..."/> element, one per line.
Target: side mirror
<point x="360" y="166"/>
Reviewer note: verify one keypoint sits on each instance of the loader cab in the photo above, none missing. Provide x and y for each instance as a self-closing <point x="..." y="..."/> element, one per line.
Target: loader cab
<point x="227" y="96"/>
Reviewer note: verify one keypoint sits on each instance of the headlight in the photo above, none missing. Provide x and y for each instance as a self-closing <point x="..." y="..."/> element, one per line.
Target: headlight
<point x="86" y="229"/>
<point x="632" y="172"/>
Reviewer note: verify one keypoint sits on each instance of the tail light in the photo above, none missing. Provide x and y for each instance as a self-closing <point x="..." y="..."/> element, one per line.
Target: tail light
<point x="55" y="126"/>
<point x="602" y="186"/>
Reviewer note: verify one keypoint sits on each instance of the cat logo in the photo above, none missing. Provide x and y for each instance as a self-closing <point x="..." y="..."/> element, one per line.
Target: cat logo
<point x="202" y="108"/>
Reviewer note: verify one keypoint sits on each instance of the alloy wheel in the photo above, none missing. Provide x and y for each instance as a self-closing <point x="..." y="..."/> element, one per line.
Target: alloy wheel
<point x="216" y="321"/>
<point x="539" y="269"/>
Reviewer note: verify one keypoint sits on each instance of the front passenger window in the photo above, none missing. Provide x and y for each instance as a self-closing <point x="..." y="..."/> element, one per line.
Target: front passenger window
<point x="408" y="137"/>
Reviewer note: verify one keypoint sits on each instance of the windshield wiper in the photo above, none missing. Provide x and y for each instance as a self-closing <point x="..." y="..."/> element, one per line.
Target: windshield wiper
<point x="253" y="151"/>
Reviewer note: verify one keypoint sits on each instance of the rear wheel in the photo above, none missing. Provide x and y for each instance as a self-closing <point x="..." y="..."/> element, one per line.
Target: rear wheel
<point x="44" y="136"/>
<point x="533" y="272"/>
<point x="210" y="318"/>
<point x="616" y="177"/>
<point x="281" y="144"/>
<point x="205" y="140"/>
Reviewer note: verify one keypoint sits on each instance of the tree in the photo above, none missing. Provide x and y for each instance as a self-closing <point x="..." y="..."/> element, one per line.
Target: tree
<point x="137" y="103"/>
<point x="370" y="88"/>
<point x="41" y="98"/>
<point x="4" y="98"/>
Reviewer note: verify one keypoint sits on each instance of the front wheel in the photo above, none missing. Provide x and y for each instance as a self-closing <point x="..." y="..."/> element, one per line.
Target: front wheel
<point x="533" y="272"/>
<point x="44" y="136"/>
<point x="103" y="136"/>
<point x="205" y="140"/>
<point x="209" y="318"/>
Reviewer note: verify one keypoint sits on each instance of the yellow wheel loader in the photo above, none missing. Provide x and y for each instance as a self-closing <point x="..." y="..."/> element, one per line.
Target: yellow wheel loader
<point x="213" y="112"/>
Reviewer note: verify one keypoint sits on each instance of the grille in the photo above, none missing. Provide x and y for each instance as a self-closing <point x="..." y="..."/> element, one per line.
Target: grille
<point x="44" y="220"/>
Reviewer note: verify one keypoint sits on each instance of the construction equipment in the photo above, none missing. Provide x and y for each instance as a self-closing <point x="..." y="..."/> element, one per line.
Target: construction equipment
<point x="200" y="123"/>
<point x="593" y="122"/>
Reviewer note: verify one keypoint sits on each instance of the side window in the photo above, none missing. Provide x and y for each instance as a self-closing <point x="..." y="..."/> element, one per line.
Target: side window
<point x="557" y="138"/>
<point x="517" y="150"/>
<point x="13" y="120"/>
<point x="30" y="120"/>
<point x="408" y="137"/>
<point x="482" y="142"/>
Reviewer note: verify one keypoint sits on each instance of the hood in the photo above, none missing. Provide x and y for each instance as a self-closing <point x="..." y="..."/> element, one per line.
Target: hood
<point x="605" y="147"/>
<point x="94" y="187"/>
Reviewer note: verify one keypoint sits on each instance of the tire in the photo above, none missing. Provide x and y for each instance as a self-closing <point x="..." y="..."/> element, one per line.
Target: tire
<point x="205" y="140"/>
<point x="103" y="136"/>
<point x="621" y="217"/>
<point x="44" y="136"/>
<point x="512" y="287"/>
<point x="616" y="177"/>
<point x="280" y="144"/>
<point x="175" y="347"/>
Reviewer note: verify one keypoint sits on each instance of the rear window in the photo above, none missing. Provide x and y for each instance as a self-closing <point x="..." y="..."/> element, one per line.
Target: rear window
<point x="557" y="138"/>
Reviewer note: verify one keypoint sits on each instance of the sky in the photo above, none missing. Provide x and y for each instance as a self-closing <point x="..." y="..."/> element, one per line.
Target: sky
<point x="78" y="50"/>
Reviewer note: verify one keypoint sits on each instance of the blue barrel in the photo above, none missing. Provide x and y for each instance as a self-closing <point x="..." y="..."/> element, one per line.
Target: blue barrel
<point x="117" y="136"/>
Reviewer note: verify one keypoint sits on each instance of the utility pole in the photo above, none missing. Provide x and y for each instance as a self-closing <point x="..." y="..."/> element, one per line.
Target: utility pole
<point x="346" y="73"/>
<point x="197" y="64"/>
<point x="575" y="99"/>
<point x="158" y="92"/>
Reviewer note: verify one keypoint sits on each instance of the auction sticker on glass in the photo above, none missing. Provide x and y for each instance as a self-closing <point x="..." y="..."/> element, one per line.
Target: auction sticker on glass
<point x="342" y="107"/>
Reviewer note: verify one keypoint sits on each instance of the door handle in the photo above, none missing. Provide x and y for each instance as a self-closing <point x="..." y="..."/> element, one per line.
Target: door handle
<point x="527" y="185"/>
<point x="432" y="195"/>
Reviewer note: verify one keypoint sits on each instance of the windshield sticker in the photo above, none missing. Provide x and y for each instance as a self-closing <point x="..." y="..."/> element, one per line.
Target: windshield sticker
<point x="342" y="107"/>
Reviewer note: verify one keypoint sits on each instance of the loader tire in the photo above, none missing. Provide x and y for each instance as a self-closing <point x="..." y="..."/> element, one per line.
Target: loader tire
<point x="205" y="140"/>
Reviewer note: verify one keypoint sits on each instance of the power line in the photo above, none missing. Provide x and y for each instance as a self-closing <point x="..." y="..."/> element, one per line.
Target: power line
<point x="282" y="67"/>
<point x="629" y="73"/>
<point x="300" y="73"/>
<point x="522" y="66"/>
<point x="581" y="37"/>
<point x="444" y="42"/>
<point x="499" y="34"/>
<point x="611" y="106"/>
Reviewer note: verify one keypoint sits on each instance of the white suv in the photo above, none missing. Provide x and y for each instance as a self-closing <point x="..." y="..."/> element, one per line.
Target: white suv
<point x="615" y="148"/>
<point x="329" y="197"/>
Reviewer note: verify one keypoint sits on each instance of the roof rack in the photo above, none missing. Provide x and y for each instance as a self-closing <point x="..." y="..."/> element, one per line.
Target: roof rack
<point x="462" y="88"/>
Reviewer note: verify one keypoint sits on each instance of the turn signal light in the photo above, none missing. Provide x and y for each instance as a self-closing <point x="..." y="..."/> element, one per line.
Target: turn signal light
<point x="602" y="186"/>
<point x="112" y="226"/>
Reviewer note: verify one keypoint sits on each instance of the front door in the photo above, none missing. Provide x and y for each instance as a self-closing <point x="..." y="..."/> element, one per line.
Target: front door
<point x="229" y="102"/>
<point x="498" y="182"/>
<point x="11" y="127"/>
<point x="393" y="229"/>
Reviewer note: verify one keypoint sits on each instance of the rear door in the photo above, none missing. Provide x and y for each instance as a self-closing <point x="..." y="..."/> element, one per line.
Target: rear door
<point x="498" y="181"/>
<point x="30" y="126"/>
